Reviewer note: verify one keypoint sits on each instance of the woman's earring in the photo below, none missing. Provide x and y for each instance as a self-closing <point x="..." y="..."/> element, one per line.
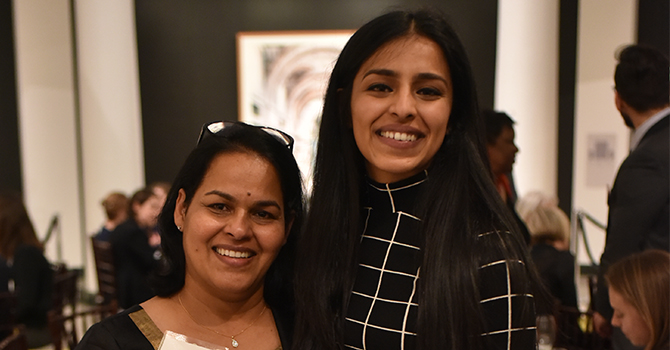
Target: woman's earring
<point x="179" y="228"/>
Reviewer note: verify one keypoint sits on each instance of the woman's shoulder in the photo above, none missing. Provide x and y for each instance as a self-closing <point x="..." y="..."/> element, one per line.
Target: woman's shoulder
<point x="120" y="331"/>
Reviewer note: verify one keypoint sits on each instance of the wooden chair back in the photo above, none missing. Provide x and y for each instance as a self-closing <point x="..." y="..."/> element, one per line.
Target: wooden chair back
<point x="66" y="329"/>
<point x="7" y="314"/>
<point x="16" y="340"/>
<point x="105" y="269"/>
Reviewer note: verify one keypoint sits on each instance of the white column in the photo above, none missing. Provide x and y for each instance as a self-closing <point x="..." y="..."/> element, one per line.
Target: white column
<point x="108" y="150"/>
<point x="46" y="108"/>
<point x="111" y="126"/>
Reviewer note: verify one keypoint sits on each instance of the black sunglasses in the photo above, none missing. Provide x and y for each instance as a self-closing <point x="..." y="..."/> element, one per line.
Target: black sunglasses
<point x="216" y="127"/>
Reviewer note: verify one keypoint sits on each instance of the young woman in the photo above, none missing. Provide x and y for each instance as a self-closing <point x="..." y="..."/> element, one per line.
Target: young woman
<point x="407" y="244"/>
<point x="228" y="228"/>
<point x="639" y="290"/>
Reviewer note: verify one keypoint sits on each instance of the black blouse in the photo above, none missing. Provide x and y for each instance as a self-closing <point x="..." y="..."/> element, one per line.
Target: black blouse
<point x="382" y="311"/>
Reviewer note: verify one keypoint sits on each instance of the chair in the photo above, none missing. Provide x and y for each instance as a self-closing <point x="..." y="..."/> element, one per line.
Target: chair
<point x="105" y="268"/>
<point x="7" y="314"/>
<point x="16" y="340"/>
<point x="65" y="289"/>
<point x="65" y="328"/>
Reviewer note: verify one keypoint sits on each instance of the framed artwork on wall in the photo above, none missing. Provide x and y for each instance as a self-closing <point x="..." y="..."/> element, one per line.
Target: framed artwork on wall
<point x="282" y="77"/>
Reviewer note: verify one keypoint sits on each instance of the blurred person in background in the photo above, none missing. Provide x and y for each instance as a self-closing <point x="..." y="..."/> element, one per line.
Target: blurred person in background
<point x="134" y="257"/>
<point x="639" y="291"/>
<point x="116" y="211"/>
<point x="30" y="274"/>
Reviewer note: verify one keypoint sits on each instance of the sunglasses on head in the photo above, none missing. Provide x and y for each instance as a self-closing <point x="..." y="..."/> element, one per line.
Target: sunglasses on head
<point x="216" y="127"/>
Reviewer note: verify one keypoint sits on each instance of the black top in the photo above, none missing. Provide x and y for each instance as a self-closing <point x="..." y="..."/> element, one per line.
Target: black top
<point x="33" y="283"/>
<point x="134" y="259"/>
<point x="557" y="269"/>
<point x="382" y="311"/>
<point x="133" y="329"/>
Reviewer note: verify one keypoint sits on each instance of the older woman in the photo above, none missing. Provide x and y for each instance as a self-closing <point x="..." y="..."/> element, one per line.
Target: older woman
<point x="228" y="231"/>
<point x="408" y="245"/>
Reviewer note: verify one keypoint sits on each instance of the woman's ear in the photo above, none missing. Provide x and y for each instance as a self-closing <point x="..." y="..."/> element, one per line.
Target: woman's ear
<point x="180" y="209"/>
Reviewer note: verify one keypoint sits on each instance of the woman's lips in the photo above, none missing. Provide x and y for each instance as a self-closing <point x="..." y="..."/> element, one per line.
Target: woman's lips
<point x="236" y="254"/>
<point x="399" y="136"/>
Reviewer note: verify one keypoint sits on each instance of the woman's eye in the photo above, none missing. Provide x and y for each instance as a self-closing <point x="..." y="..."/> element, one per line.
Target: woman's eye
<point x="266" y="215"/>
<point x="218" y="206"/>
<point x="429" y="92"/>
<point x="380" y="88"/>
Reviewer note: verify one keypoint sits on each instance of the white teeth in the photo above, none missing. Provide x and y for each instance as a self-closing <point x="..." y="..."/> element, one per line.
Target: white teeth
<point x="233" y="253"/>
<point x="398" y="136"/>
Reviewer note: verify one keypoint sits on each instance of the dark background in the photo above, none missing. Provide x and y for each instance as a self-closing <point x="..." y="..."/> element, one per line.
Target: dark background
<point x="187" y="64"/>
<point x="187" y="57"/>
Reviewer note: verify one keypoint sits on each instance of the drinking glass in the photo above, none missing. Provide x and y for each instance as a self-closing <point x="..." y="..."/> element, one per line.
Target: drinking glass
<point x="546" y="332"/>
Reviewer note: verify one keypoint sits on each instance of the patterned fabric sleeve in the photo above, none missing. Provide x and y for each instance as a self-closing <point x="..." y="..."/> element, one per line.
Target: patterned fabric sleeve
<point x="506" y="297"/>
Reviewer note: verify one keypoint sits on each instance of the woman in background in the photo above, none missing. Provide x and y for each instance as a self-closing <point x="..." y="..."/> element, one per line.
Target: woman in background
<point x="30" y="274"/>
<point x="639" y="290"/>
<point x="134" y="257"/>
<point x="549" y="228"/>
<point x="407" y="243"/>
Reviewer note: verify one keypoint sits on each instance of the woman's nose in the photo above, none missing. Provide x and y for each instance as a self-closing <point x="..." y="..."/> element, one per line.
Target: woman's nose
<point x="238" y="226"/>
<point x="403" y="104"/>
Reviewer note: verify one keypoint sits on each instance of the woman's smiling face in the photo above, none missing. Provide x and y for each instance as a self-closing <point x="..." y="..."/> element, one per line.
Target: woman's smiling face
<point x="234" y="226"/>
<point x="400" y="106"/>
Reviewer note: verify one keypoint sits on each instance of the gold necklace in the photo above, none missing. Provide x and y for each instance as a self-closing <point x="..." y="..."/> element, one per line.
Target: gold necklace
<point x="234" y="342"/>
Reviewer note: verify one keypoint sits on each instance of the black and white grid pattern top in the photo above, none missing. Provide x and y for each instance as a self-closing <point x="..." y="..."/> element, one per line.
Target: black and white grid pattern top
<point x="382" y="310"/>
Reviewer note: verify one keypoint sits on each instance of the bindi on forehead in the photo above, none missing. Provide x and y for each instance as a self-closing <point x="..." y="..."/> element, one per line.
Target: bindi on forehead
<point x="248" y="193"/>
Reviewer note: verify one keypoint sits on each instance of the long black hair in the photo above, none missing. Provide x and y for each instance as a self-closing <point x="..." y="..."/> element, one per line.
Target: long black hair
<point x="244" y="138"/>
<point x="459" y="203"/>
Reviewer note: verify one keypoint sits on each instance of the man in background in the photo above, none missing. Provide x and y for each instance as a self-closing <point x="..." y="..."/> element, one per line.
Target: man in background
<point x="639" y="202"/>
<point x="502" y="151"/>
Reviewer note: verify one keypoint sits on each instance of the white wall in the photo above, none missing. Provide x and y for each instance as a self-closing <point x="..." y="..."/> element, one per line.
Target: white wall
<point x="527" y="88"/>
<point x="604" y="26"/>
<point x="66" y="171"/>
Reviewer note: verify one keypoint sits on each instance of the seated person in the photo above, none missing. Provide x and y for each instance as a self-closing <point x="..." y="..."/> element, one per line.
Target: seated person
<point x="229" y="230"/>
<point x="133" y="255"/>
<point x="116" y="211"/>
<point x="30" y="274"/>
<point x="639" y="291"/>
<point x="549" y="228"/>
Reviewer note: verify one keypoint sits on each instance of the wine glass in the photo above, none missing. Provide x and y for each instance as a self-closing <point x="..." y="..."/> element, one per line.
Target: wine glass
<point x="546" y="332"/>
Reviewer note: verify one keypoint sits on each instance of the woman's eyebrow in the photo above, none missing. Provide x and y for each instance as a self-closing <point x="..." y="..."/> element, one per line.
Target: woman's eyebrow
<point x="431" y="76"/>
<point x="221" y="194"/>
<point x="381" y="71"/>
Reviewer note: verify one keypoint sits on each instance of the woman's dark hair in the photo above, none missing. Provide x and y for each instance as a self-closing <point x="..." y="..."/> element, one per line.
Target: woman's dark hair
<point x="15" y="225"/>
<point x="459" y="203"/>
<point x="237" y="138"/>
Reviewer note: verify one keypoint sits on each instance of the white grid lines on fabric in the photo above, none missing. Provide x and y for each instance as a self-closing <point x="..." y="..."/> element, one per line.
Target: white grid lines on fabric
<point x="391" y="242"/>
<point x="388" y="191"/>
<point x="404" y="321"/>
<point x="509" y="330"/>
<point x="390" y="330"/>
<point x="352" y="347"/>
<point x="401" y="188"/>
<point x="391" y="301"/>
<point x="382" y="270"/>
<point x="509" y="308"/>
<point x="379" y="283"/>
<point x="367" y="218"/>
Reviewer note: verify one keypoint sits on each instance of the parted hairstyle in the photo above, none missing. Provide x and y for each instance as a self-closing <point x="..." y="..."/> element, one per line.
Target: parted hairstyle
<point x="641" y="77"/>
<point x="643" y="280"/>
<point x="460" y="202"/>
<point x="245" y="139"/>
<point x="15" y="225"/>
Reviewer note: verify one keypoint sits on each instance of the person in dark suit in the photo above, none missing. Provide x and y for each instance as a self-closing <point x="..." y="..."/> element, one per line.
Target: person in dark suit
<point x="639" y="202"/>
